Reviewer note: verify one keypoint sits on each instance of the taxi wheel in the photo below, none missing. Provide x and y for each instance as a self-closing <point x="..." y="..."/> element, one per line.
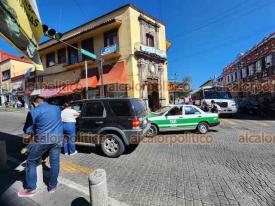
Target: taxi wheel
<point x="202" y="128"/>
<point x="153" y="131"/>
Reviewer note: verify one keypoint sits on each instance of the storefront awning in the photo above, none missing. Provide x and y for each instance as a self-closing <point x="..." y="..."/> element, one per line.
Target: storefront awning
<point x="70" y="89"/>
<point x="117" y="75"/>
<point x="47" y="93"/>
<point x="92" y="82"/>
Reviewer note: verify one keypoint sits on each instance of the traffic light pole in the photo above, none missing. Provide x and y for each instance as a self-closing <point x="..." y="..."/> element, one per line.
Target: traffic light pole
<point x="93" y="56"/>
<point x="86" y="80"/>
<point x="101" y="78"/>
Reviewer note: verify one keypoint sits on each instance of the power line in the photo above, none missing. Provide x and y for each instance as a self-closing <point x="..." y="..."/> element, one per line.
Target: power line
<point x="233" y="42"/>
<point x="80" y="8"/>
<point x="228" y="13"/>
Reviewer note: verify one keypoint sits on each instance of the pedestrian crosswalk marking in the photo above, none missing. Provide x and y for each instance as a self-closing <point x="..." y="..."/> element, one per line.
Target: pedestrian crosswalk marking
<point x="71" y="167"/>
<point x="227" y="121"/>
<point x="259" y="122"/>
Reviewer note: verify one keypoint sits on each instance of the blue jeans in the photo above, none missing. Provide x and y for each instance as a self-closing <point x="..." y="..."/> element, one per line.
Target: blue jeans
<point x="36" y="151"/>
<point x="69" y="138"/>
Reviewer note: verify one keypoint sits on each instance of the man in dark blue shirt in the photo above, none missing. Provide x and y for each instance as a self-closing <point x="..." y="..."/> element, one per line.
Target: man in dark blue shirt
<point x="44" y="122"/>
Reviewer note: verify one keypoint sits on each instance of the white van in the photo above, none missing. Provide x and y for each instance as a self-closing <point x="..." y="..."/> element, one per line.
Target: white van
<point x="219" y="94"/>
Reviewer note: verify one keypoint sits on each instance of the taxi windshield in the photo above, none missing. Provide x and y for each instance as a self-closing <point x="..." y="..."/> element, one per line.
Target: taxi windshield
<point x="162" y="110"/>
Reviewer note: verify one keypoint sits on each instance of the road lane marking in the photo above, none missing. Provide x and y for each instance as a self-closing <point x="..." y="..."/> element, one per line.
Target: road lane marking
<point x="227" y="121"/>
<point x="73" y="185"/>
<point x="71" y="167"/>
<point x="264" y="124"/>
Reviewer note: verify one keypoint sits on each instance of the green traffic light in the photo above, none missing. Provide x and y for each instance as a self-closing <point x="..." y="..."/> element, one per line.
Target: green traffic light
<point x="58" y="35"/>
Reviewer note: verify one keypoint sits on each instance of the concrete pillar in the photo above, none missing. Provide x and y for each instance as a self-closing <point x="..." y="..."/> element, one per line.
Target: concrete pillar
<point x="3" y="156"/>
<point x="98" y="188"/>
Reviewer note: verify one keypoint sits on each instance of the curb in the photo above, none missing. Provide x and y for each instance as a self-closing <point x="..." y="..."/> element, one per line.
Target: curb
<point x="70" y="184"/>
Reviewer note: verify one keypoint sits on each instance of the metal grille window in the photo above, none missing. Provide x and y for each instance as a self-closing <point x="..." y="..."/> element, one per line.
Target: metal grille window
<point x="259" y="66"/>
<point x="6" y="75"/>
<point x="50" y="59"/>
<point x="88" y="45"/>
<point x="73" y="55"/>
<point x="40" y="78"/>
<point x="268" y="60"/>
<point x="110" y="38"/>
<point x="61" y="56"/>
<point x="251" y="69"/>
<point x="150" y="40"/>
<point x="244" y="74"/>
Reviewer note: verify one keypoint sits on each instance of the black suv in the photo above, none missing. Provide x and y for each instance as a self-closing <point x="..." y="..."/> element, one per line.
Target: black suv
<point x="111" y="123"/>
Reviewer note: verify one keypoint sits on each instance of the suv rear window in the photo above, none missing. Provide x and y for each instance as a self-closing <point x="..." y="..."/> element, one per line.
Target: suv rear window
<point x="121" y="107"/>
<point x="139" y="106"/>
<point x="95" y="109"/>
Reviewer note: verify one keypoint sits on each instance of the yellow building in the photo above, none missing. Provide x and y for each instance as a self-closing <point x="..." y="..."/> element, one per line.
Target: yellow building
<point x="133" y="46"/>
<point x="12" y="70"/>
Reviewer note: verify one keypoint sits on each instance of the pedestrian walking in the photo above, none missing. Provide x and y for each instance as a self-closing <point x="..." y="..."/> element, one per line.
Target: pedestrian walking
<point x="44" y="122"/>
<point x="69" y="116"/>
<point x="215" y="108"/>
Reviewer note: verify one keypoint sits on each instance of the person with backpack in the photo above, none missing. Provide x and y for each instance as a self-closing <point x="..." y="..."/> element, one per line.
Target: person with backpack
<point x="214" y="107"/>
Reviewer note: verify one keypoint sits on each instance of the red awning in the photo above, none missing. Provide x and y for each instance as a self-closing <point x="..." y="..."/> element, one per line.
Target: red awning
<point x="70" y="89"/>
<point x="92" y="82"/>
<point x="47" y="93"/>
<point x="117" y="75"/>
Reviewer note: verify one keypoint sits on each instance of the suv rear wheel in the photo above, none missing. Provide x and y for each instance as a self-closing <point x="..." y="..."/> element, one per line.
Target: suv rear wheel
<point x="153" y="131"/>
<point x="202" y="128"/>
<point x="112" y="145"/>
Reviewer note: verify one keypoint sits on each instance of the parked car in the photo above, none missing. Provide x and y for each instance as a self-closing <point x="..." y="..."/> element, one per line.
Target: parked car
<point x="181" y="117"/>
<point x="268" y="109"/>
<point x="111" y="123"/>
<point x="249" y="106"/>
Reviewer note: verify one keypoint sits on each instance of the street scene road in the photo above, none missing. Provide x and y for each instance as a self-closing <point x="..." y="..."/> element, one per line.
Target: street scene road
<point x="164" y="172"/>
<point x="137" y="103"/>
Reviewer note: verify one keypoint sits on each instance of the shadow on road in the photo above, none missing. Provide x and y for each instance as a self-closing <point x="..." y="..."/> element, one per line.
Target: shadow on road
<point x="8" y="195"/>
<point x="80" y="201"/>
<point x="248" y="117"/>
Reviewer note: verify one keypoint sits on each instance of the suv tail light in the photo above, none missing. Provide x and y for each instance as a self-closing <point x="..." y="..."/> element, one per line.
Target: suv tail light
<point x="135" y="123"/>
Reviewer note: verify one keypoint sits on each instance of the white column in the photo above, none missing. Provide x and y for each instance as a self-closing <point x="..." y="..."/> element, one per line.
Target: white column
<point x="98" y="188"/>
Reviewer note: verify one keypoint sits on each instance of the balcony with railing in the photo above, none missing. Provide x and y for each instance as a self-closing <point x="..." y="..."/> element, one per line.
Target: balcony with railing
<point x="109" y="52"/>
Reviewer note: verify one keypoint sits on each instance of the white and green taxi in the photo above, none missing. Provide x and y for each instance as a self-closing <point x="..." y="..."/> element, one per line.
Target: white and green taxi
<point x="181" y="117"/>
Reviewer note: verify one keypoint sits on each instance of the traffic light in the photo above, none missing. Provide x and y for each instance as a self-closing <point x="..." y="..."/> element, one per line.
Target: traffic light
<point x="51" y="33"/>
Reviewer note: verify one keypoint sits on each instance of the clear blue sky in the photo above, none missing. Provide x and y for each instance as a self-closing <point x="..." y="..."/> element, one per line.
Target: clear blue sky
<point x="206" y="35"/>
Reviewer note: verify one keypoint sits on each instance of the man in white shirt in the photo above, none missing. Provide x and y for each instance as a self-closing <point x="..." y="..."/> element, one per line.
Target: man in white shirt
<point x="69" y="116"/>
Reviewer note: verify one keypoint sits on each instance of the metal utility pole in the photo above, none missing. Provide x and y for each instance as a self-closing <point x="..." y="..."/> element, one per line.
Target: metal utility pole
<point x="101" y="78"/>
<point x="86" y="80"/>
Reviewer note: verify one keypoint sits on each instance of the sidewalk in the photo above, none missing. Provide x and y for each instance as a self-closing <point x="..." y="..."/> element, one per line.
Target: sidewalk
<point x="63" y="196"/>
<point x="68" y="192"/>
<point x="11" y="181"/>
